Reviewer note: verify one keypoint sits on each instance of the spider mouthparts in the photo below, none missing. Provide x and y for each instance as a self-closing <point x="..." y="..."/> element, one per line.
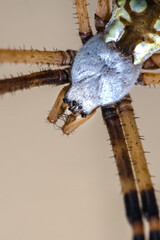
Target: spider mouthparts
<point x="74" y="107"/>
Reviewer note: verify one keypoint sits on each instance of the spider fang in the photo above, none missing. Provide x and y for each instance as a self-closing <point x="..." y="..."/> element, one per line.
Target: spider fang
<point x="75" y="119"/>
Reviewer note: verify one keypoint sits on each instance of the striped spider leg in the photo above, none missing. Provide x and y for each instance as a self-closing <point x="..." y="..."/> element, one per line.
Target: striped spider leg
<point x="110" y="114"/>
<point x="143" y="40"/>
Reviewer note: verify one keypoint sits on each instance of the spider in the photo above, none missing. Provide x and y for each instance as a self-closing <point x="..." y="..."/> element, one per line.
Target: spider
<point x="107" y="167"/>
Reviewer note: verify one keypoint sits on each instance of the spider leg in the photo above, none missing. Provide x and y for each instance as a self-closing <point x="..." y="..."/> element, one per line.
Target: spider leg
<point x="156" y="59"/>
<point x="102" y="15"/>
<point x="150" y="208"/>
<point x="59" y="58"/>
<point x="85" y="31"/>
<point x="73" y="122"/>
<point x="151" y="63"/>
<point x="149" y="78"/>
<point x="49" y="77"/>
<point x="123" y="163"/>
<point x="59" y="107"/>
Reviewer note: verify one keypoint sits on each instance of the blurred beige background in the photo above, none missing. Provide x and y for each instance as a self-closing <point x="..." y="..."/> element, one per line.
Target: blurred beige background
<point x="53" y="186"/>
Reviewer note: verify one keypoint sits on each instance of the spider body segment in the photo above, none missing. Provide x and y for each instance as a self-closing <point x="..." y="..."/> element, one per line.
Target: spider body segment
<point x="134" y="26"/>
<point x="99" y="75"/>
<point x="99" y="78"/>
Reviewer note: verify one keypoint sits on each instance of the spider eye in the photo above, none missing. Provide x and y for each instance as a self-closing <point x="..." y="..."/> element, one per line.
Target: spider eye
<point x="83" y="115"/>
<point x="65" y="100"/>
<point x="74" y="103"/>
<point x="79" y="107"/>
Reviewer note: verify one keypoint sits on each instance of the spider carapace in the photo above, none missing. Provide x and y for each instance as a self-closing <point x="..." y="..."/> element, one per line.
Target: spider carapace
<point x="101" y="74"/>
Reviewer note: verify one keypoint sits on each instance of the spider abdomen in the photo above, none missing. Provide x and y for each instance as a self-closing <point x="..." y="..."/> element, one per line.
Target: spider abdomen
<point x="101" y="75"/>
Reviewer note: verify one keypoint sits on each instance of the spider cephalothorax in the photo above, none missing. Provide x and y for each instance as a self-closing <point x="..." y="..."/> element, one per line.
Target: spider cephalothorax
<point x="99" y="76"/>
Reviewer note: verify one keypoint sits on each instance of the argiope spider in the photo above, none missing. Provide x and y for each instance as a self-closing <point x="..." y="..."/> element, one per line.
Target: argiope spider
<point x="106" y="165"/>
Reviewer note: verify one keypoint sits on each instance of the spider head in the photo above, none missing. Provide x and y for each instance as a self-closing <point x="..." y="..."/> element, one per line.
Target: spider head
<point x="101" y="75"/>
<point x="74" y="107"/>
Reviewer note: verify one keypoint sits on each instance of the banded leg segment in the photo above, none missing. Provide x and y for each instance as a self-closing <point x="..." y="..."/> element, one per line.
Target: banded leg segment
<point x="150" y="208"/>
<point x="59" y="58"/>
<point x="149" y="79"/>
<point x="156" y="59"/>
<point x="50" y="77"/>
<point x="150" y="64"/>
<point x="123" y="163"/>
<point x="102" y="15"/>
<point x="85" y="31"/>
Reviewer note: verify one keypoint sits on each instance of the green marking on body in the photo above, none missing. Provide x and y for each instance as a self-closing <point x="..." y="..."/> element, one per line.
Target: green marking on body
<point x="115" y="29"/>
<point x="157" y="25"/>
<point x="144" y="50"/>
<point x="138" y="5"/>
